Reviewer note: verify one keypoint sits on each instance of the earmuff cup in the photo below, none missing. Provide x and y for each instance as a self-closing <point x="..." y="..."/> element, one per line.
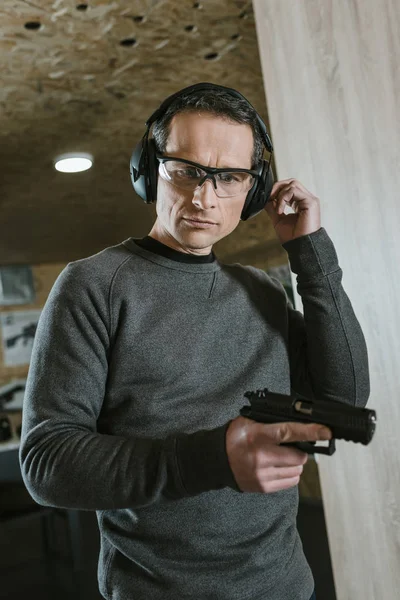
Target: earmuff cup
<point x="144" y="176"/>
<point x="258" y="195"/>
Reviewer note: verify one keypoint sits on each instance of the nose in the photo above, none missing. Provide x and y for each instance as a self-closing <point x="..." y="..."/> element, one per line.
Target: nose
<point x="204" y="196"/>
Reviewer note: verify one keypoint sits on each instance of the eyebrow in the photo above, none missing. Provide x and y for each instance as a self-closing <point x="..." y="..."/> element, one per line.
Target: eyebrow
<point x="204" y="166"/>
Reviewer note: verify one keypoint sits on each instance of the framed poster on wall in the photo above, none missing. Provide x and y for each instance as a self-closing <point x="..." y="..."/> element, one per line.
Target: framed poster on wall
<point x="16" y="285"/>
<point x="18" y="330"/>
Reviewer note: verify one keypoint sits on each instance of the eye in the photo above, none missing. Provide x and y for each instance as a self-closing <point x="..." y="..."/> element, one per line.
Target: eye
<point x="188" y="172"/>
<point x="228" y="177"/>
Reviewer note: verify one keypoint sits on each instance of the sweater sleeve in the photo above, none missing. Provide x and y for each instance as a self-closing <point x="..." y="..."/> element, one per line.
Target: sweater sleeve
<point x="328" y="353"/>
<point x="64" y="461"/>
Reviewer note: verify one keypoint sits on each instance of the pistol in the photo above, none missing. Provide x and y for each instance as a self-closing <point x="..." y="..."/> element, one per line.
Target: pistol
<point x="350" y="423"/>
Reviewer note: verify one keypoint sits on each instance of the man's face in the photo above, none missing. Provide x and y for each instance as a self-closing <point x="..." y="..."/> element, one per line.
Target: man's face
<point x="213" y="142"/>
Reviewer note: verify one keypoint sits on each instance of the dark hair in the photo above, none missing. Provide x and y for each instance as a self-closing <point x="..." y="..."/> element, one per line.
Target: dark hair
<point x="218" y="103"/>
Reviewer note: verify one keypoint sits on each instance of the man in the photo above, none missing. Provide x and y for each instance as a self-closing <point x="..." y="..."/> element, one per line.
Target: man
<point x="142" y="355"/>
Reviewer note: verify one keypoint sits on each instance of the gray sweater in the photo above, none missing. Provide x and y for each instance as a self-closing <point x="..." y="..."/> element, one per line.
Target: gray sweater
<point x="138" y="365"/>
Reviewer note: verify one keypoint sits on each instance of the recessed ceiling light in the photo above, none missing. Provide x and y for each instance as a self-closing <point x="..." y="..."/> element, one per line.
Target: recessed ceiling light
<point x="73" y="162"/>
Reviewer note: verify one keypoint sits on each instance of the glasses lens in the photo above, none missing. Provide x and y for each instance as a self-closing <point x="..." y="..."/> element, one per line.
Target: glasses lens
<point x="180" y="174"/>
<point x="188" y="177"/>
<point x="233" y="184"/>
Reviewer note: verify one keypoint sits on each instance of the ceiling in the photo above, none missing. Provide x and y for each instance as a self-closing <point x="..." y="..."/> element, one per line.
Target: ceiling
<point x="85" y="77"/>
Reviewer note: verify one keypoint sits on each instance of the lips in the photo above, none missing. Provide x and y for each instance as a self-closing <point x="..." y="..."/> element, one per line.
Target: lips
<point x="199" y="221"/>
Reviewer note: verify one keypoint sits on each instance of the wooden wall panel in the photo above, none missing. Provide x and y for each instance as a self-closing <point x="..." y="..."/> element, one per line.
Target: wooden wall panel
<point x="332" y="84"/>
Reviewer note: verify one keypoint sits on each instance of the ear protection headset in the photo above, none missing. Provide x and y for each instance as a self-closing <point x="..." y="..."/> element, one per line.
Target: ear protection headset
<point x="144" y="163"/>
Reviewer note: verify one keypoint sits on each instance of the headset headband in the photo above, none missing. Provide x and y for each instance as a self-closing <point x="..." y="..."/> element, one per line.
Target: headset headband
<point x="209" y="86"/>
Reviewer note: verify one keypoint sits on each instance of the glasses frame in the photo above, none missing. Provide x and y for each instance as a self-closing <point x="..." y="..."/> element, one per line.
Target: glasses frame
<point x="211" y="171"/>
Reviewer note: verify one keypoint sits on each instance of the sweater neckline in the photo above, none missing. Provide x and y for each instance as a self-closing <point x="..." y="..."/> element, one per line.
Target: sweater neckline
<point x="154" y="245"/>
<point x="167" y="262"/>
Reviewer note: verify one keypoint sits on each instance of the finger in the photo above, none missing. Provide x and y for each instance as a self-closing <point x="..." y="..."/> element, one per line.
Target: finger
<point x="295" y="190"/>
<point x="298" y="432"/>
<point x="295" y="205"/>
<point x="282" y="484"/>
<point x="270" y="208"/>
<point x="279" y="191"/>
<point x="295" y="183"/>
<point x="285" y="196"/>
<point x="278" y="186"/>
<point x="284" y="199"/>
<point x="285" y="472"/>
<point x="283" y="456"/>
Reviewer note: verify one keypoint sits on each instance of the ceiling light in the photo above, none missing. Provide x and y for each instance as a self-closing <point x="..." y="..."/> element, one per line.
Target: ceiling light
<point x="73" y="162"/>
